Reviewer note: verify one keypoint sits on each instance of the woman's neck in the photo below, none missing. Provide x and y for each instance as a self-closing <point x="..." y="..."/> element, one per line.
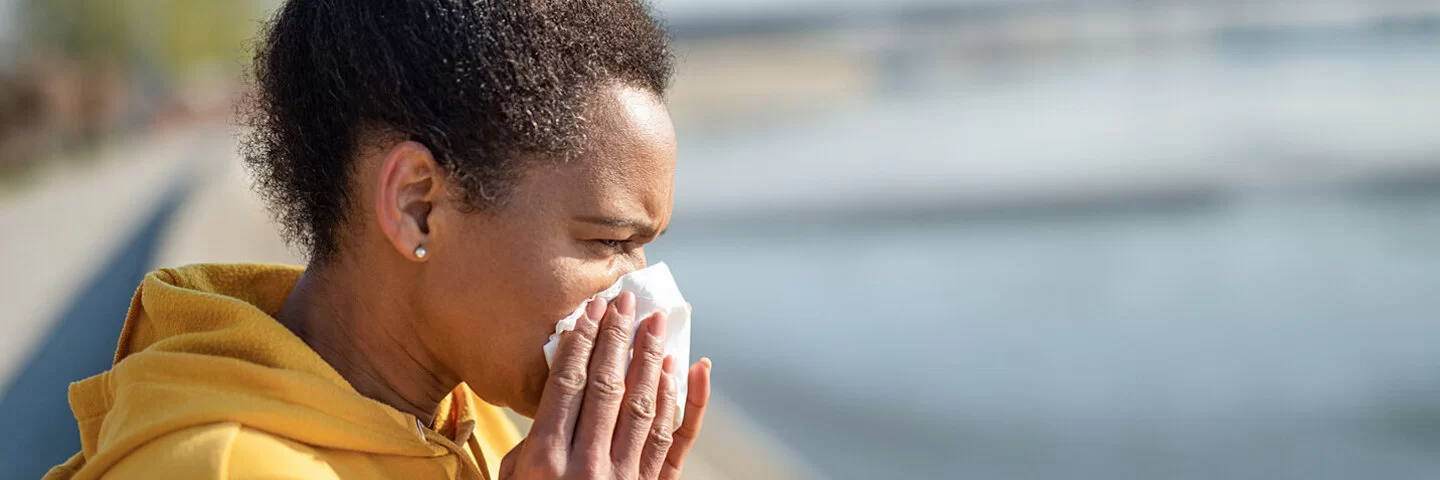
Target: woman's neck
<point x="368" y="338"/>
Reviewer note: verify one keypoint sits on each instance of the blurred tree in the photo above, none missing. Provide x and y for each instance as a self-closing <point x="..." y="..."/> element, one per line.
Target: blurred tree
<point x="200" y="33"/>
<point x="107" y="64"/>
<point x="176" y="35"/>
<point x="84" y="30"/>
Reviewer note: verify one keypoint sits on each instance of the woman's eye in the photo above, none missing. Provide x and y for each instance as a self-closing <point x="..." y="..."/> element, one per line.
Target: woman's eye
<point x="616" y="245"/>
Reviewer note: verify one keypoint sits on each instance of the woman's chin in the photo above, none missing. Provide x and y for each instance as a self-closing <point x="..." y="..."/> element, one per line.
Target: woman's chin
<point x="528" y="401"/>
<point x="527" y="411"/>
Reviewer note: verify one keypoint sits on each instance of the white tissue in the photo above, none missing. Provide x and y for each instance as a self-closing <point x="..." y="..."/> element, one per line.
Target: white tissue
<point x="655" y="291"/>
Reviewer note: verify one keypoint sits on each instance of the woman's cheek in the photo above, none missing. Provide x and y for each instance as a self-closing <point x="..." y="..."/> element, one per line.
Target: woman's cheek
<point x="587" y="280"/>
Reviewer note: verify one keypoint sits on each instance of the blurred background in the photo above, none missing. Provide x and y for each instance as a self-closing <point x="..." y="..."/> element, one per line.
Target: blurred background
<point x="924" y="239"/>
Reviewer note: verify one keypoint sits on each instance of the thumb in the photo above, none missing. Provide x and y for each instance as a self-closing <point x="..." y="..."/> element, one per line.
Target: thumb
<point x="507" y="464"/>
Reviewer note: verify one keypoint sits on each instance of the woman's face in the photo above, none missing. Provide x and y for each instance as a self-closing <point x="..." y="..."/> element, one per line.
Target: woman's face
<point x="496" y="282"/>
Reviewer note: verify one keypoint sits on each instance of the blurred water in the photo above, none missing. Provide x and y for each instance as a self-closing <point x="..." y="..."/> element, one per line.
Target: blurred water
<point x="1274" y="336"/>
<point x="1245" y="330"/>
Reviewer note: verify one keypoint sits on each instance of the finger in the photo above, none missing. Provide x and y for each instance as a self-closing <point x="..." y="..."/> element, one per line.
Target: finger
<point x="607" y="381"/>
<point x="662" y="431"/>
<point x="642" y="389"/>
<point x="695" y="406"/>
<point x="507" y="464"/>
<point x="565" y="389"/>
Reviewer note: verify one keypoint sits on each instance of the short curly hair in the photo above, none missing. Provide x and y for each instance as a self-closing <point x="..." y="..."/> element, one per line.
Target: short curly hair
<point x="478" y="82"/>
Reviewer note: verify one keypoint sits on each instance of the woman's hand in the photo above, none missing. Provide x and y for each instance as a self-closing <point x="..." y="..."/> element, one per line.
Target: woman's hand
<point x="597" y="421"/>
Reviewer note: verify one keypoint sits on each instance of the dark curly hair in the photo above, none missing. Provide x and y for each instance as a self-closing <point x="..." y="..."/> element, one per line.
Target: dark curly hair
<point x="478" y="82"/>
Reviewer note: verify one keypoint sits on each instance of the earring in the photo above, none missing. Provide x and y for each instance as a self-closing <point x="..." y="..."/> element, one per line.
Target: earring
<point x="420" y="252"/>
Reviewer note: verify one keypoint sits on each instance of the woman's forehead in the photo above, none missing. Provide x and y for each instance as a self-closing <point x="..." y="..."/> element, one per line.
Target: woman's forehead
<point x="626" y="167"/>
<point x="629" y="121"/>
<point x="631" y="142"/>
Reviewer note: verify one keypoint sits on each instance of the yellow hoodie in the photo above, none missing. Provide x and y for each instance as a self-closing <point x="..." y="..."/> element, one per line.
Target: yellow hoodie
<point x="206" y="384"/>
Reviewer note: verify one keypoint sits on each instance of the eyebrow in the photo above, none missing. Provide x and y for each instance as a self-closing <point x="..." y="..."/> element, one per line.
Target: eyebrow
<point x="641" y="227"/>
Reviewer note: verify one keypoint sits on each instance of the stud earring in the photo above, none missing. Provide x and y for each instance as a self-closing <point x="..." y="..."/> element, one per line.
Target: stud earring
<point x="420" y="252"/>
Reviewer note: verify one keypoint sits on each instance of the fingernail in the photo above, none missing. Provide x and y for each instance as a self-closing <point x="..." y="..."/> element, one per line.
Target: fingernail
<point x="706" y="362"/>
<point x="668" y="365"/>
<point x="657" y="325"/>
<point x="626" y="303"/>
<point x="669" y="382"/>
<point x="596" y="309"/>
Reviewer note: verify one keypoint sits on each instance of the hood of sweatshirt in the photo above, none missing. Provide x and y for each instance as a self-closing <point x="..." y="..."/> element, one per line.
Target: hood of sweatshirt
<point x="200" y="345"/>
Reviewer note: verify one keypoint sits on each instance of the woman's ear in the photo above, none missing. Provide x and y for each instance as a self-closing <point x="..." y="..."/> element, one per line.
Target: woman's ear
<point x="410" y="185"/>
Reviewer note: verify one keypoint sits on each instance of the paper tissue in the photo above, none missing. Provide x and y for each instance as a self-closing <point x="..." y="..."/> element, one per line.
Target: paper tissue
<point x="655" y="291"/>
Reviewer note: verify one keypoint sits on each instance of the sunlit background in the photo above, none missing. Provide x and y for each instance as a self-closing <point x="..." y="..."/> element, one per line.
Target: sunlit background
<point x="923" y="239"/>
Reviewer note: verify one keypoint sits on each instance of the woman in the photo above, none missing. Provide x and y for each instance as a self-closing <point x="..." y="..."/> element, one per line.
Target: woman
<point x="462" y="174"/>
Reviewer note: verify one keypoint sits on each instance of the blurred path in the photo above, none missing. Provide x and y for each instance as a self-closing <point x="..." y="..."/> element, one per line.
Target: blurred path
<point x="69" y="219"/>
<point x="82" y="344"/>
<point x="75" y="248"/>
